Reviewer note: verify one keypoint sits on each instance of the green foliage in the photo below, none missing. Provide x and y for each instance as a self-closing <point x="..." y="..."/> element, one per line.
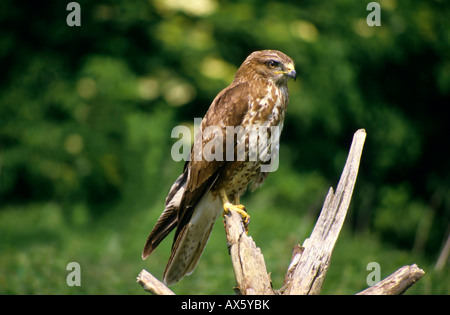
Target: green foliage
<point x="86" y="114"/>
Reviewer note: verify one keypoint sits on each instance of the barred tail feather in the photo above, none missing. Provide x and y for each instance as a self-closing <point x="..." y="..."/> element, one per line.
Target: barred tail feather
<point x="192" y="238"/>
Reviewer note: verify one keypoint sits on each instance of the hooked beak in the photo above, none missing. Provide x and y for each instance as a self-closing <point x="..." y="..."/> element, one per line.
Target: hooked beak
<point x="290" y="71"/>
<point x="292" y="74"/>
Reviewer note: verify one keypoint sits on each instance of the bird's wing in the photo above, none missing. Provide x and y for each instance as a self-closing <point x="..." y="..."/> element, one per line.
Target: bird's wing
<point x="168" y="219"/>
<point x="199" y="209"/>
<point x="227" y="109"/>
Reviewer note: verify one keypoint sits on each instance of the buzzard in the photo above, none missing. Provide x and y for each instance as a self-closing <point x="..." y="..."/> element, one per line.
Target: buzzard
<point x="257" y="97"/>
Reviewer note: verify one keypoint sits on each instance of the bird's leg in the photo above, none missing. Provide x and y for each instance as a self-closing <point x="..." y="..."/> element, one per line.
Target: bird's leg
<point x="227" y="206"/>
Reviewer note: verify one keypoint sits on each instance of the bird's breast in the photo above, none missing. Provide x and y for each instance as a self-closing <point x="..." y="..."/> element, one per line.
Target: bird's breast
<point x="268" y="109"/>
<point x="257" y="142"/>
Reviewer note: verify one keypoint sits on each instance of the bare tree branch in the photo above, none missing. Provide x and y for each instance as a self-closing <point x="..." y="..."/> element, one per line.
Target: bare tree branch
<point x="153" y="285"/>
<point x="248" y="262"/>
<point x="396" y="283"/>
<point x="313" y="264"/>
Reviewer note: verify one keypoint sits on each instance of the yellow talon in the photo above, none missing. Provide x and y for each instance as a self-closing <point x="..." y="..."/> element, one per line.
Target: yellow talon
<point x="239" y="209"/>
<point x="227" y="206"/>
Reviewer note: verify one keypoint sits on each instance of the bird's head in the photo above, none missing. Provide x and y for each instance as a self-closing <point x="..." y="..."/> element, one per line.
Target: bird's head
<point x="270" y="65"/>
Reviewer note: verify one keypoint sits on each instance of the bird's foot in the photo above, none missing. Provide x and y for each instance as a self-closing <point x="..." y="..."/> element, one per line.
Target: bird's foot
<point x="239" y="209"/>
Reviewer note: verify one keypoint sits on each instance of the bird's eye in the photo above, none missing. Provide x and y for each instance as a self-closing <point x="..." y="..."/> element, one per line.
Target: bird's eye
<point x="272" y="64"/>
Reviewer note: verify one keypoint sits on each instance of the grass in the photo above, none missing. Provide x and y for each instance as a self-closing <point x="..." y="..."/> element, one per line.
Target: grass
<point x="38" y="241"/>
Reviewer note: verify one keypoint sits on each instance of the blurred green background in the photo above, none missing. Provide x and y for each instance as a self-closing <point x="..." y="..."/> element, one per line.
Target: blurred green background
<point x="86" y="115"/>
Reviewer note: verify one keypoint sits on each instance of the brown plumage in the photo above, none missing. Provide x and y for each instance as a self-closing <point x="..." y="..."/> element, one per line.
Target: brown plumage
<point x="257" y="97"/>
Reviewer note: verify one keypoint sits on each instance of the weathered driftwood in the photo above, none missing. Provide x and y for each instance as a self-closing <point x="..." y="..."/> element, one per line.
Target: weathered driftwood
<point x="153" y="285"/>
<point x="248" y="262"/>
<point x="397" y="283"/>
<point x="310" y="262"/>
<point x="314" y="261"/>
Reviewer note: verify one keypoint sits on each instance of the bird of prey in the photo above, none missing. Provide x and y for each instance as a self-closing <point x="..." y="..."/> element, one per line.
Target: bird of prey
<point x="257" y="97"/>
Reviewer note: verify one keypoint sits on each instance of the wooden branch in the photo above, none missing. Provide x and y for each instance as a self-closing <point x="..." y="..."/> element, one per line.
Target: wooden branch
<point x="248" y="263"/>
<point x="312" y="264"/>
<point x="397" y="283"/>
<point x="153" y="285"/>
